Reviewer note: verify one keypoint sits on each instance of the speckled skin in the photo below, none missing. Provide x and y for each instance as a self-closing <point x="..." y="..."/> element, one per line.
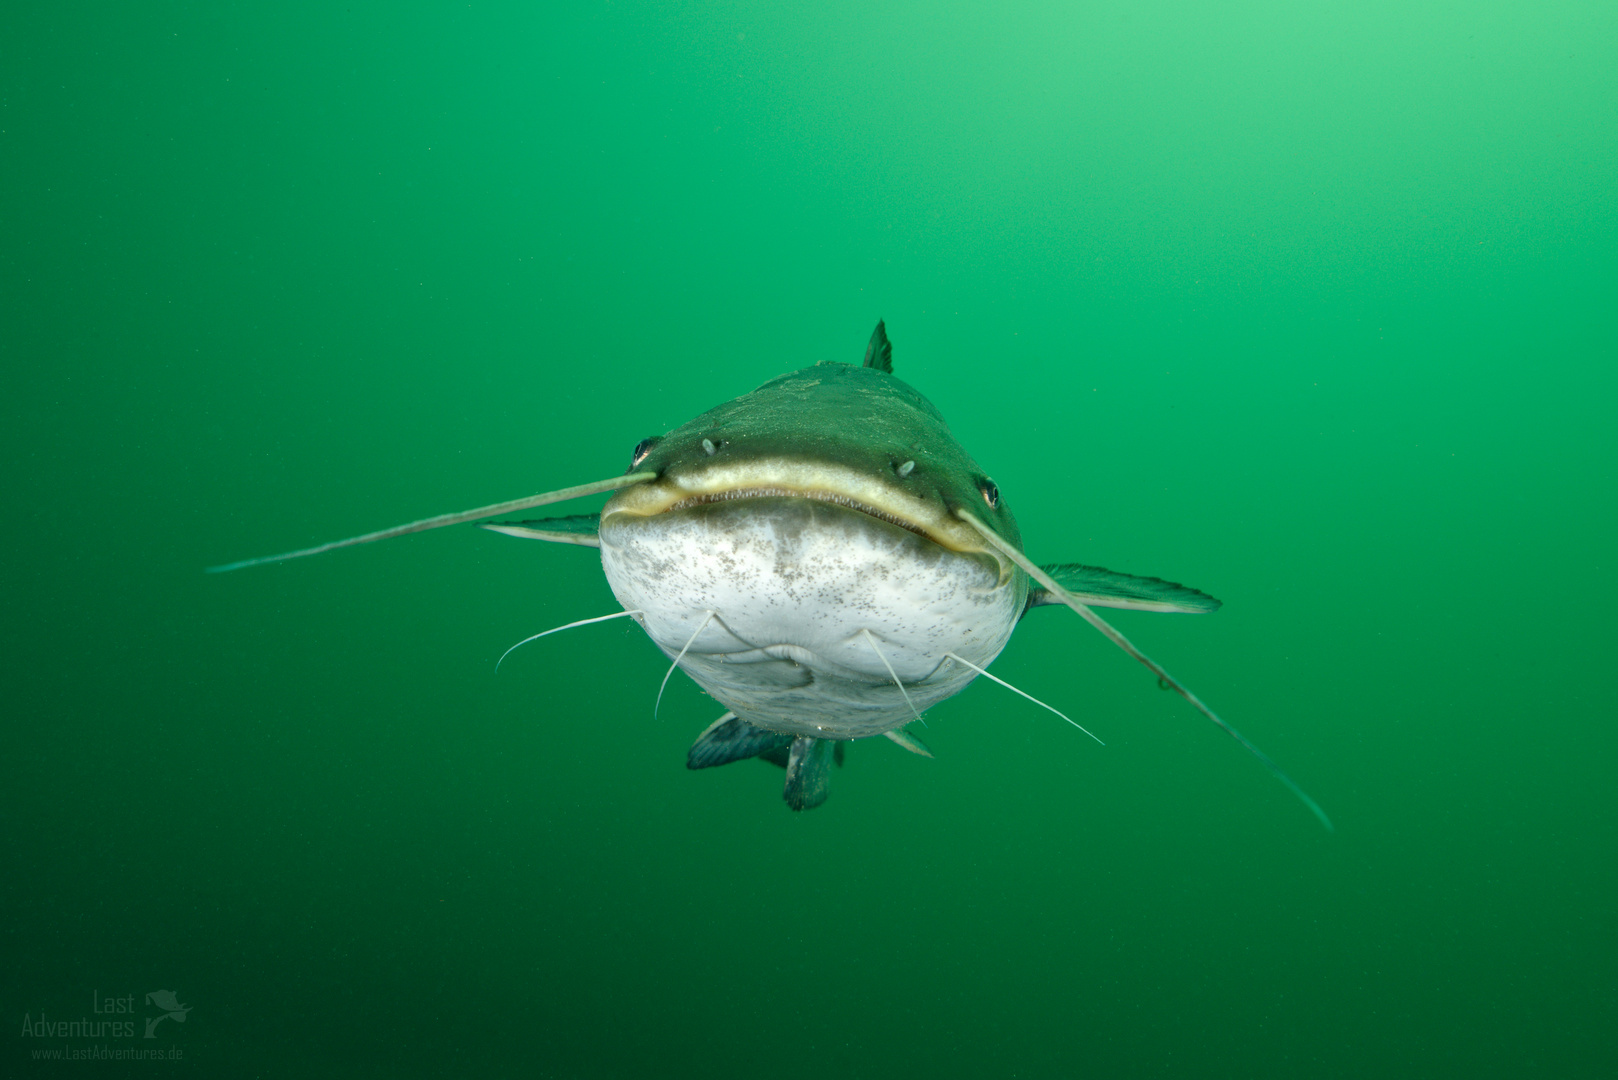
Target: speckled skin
<point x="798" y="533"/>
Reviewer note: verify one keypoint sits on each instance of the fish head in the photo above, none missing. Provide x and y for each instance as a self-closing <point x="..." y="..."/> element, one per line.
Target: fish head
<point x="801" y="554"/>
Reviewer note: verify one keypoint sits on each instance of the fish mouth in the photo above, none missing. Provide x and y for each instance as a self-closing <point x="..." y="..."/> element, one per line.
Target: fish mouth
<point x="921" y="512"/>
<point x="815" y="495"/>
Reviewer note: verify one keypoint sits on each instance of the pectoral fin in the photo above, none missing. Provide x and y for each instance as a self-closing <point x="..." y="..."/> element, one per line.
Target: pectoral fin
<point x="574" y="529"/>
<point x="807" y="773"/>
<point x="730" y="738"/>
<point x="909" y="742"/>
<point x="1100" y="587"/>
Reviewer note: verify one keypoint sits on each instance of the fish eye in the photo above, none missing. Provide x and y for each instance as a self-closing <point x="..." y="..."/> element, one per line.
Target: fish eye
<point x="643" y="448"/>
<point x="991" y="493"/>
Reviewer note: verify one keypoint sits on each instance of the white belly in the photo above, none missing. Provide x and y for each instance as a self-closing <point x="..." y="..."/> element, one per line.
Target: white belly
<point x="793" y="586"/>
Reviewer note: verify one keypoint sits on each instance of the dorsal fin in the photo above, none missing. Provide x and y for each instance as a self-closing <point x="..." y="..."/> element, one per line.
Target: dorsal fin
<point x="879" y="353"/>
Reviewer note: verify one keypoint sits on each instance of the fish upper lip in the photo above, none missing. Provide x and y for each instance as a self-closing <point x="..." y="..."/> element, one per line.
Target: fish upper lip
<point x="814" y="494"/>
<point x="919" y="511"/>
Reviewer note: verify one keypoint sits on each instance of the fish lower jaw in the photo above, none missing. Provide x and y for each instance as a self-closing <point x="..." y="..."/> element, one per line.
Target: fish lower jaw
<point x="804" y="617"/>
<point x="792" y="691"/>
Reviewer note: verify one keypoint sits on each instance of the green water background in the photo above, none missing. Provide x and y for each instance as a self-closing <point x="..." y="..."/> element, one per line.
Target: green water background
<point x="1309" y="306"/>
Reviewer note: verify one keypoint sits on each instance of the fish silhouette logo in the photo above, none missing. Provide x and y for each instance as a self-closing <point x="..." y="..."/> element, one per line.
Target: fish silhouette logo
<point x="169" y="1002"/>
